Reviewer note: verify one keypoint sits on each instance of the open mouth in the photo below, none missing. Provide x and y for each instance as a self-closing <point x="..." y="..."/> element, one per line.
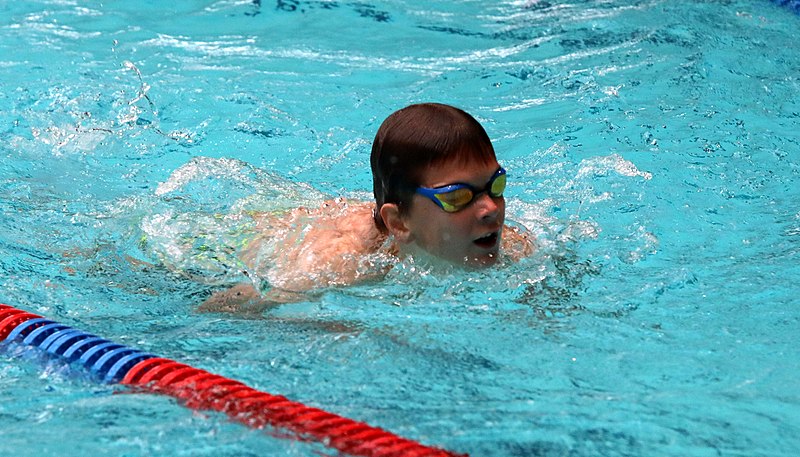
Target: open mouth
<point x="488" y="241"/>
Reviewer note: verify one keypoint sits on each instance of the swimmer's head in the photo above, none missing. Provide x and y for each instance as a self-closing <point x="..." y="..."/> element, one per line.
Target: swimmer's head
<point x="438" y="187"/>
<point x="416" y="138"/>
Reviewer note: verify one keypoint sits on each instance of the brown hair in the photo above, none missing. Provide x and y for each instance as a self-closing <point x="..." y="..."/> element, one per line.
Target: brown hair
<point x="417" y="137"/>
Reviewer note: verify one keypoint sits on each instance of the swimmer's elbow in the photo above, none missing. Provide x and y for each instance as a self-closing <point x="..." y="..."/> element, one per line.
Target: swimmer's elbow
<point x="241" y="299"/>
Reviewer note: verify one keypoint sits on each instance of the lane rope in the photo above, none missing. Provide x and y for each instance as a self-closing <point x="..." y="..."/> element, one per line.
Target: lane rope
<point x="793" y="5"/>
<point x="199" y="389"/>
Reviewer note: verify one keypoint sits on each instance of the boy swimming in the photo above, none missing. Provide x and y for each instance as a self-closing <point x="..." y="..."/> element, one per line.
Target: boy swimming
<point x="438" y="191"/>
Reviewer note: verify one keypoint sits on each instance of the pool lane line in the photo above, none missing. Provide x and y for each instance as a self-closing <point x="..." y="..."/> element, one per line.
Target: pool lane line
<point x="793" y="5"/>
<point x="199" y="389"/>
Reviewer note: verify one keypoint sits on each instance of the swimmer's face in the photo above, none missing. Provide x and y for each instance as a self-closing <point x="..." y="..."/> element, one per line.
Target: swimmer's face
<point x="470" y="236"/>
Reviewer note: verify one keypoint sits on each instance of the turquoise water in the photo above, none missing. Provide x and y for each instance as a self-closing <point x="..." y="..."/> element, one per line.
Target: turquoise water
<point x="652" y="146"/>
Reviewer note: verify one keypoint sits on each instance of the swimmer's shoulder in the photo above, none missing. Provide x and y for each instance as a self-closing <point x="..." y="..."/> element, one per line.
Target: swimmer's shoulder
<point x="354" y="220"/>
<point x="335" y="228"/>
<point x="335" y="247"/>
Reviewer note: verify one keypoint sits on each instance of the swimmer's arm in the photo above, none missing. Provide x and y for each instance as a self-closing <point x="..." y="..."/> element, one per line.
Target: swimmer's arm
<point x="244" y="300"/>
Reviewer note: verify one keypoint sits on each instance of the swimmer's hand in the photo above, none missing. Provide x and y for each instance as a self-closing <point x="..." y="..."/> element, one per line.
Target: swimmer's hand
<point x="518" y="242"/>
<point x="244" y="300"/>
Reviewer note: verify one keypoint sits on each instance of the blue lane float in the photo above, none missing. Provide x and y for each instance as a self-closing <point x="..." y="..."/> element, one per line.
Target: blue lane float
<point x="793" y="5"/>
<point x="97" y="355"/>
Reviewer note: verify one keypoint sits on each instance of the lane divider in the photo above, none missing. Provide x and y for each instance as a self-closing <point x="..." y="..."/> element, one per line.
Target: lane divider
<point x="793" y="5"/>
<point x="198" y="389"/>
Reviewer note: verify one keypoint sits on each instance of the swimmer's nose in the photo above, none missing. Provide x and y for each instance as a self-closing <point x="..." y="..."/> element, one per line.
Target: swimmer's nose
<point x="489" y="207"/>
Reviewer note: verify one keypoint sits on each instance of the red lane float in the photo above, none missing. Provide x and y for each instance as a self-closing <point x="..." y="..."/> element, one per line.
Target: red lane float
<point x="200" y="389"/>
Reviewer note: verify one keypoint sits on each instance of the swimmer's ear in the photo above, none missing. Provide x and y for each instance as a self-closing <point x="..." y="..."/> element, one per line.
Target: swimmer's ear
<point x="393" y="220"/>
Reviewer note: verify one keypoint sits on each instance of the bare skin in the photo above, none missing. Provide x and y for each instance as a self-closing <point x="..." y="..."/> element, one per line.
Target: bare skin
<point x="319" y="247"/>
<point x="337" y="243"/>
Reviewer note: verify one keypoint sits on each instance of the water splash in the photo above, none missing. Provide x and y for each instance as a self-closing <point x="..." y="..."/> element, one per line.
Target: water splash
<point x="204" y="216"/>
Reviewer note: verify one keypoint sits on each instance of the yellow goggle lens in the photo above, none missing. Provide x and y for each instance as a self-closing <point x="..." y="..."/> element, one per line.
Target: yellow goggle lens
<point x="498" y="186"/>
<point x="455" y="200"/>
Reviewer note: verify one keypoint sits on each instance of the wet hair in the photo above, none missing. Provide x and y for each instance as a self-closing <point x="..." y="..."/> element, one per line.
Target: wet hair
<point x="418" y="137"/>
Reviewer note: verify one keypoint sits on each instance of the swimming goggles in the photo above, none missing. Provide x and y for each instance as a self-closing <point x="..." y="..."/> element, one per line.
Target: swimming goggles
<point x="455" y="197"/>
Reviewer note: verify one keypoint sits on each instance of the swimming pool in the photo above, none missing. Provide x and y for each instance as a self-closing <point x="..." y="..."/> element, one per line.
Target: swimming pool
<point x="651" y="145"/>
